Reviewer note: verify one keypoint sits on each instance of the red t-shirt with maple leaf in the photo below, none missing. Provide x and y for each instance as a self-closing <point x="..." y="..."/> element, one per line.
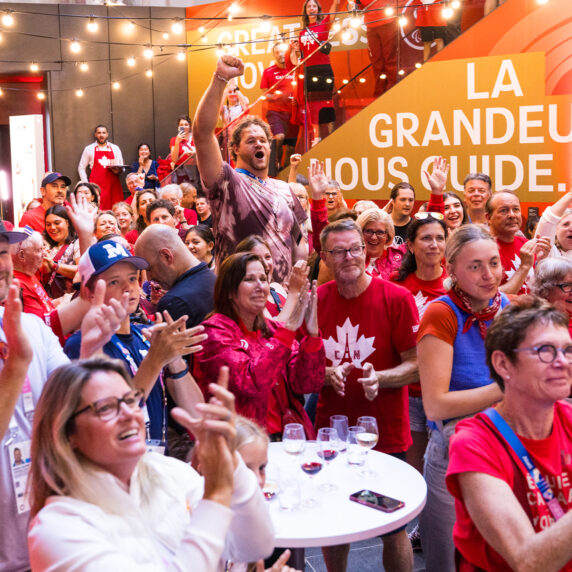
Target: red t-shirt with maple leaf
<point x="510" y="260"/>
<point x="375" y="327"/>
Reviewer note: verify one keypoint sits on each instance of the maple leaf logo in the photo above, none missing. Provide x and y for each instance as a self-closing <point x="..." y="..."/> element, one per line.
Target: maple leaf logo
<point x="104" y="161"/>
<point x="421" y="302"/>
<point x="515" y="266"/>
<point x="348" y="348"/>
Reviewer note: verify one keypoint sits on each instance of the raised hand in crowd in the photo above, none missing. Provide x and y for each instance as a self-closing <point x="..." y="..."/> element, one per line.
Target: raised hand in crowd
<point x="17" y="354"/>
<point x="82" y="216"/>
<point x="317" y="179"/>
<point x="295" y="161"/>
<point x="294" y="284"/>
<point x="214" y="429"/>
<point x="543" y="246"/>
<point x="311" y="317"/>
<point x="101" y="321"/>
<point x="438" y="178"/>
<point x="229" y="67"/>
<point x="298" y="314"/>
<point x="279" y="565"/>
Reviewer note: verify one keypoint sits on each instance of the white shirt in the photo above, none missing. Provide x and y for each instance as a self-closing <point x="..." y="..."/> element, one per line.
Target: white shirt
<point x="87" y="158"/>
<point x="48" y="355"/>
<point x="157" y="533"/>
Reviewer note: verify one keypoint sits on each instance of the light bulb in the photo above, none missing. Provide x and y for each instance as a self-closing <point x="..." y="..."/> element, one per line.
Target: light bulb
<point x="383" y="76"/>
<point x="92" y="25"/>
<point x="181" y="56"/>
<point x="346" y="35"/>
<point x="389" y="11"/>
<point x="447" y="13"/>
<point x="336" y="26"/>
<point x="202" y="30"/>
<point x="402" y="21"/>
<point x="75" y="47"/>
<point x="204" y="39"/>
<point x="34" y="67"/>
<point x="455" y="4"/>
<point x="362" y="80"/>
<point x="149" y="73"/>
<point x="177" y="27"/>
<point x="116" y="85"/>
<point x="266" y="24"/>
<point x="418" y="65"/>
<point x="301" y="76"/>
<point x="355" y="21"/>
<point x="7" y="19"/>
<point x="344" y="81"/>
<point x="148" y="53"/>
<point x="314" y="79"/>
<point x="41" y="95"/>
<point x="131" y="61"/>
<point x="1" y="92"/>
<point x="401" y="72"/>
<point x="233" y="8"/>
<point x="83" y="67"/>
<point x="165" y="36"/>
<point x="328" y="80"/>
<point x="79" y="92"/>
<point x="542" y="1"/>
<point x="131" y="26"/>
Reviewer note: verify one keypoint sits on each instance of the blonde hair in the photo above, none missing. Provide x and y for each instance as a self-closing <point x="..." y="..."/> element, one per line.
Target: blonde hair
<point x="248" y="431"/>
<point x="377" y="215"/>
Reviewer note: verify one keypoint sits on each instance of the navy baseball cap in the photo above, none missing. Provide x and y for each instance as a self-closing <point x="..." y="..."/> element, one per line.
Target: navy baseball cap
<point x="101" y="256"/>
<point x="12" y="236"/>
<point x="51" y="177"/>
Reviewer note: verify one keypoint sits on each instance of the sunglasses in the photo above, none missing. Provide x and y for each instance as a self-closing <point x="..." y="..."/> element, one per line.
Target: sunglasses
<point x="423" y="216"/>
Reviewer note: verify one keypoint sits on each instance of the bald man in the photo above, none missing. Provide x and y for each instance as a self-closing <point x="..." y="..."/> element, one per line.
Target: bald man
<point x="189" y="282"/>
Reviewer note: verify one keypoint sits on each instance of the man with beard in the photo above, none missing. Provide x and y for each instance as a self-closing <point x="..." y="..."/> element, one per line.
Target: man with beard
<point x="102" y="157"/>
<point x="279" y="100"/>
<point x="245" y="200"/>
<point x="517" y="254"/>
<point x="53" y="189"/>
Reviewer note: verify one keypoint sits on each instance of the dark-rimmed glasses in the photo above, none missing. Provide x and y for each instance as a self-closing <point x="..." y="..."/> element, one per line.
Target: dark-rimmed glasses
<point x="341" y="253"/>
<point x="378" y="233"/>
<point x="566" y="287"/>
<point x="108" y="407"/>
<point x="547" y="352"/>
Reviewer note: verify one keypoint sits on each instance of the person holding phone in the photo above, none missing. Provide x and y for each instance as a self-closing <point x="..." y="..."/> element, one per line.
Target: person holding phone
<point x="183" y="153"/>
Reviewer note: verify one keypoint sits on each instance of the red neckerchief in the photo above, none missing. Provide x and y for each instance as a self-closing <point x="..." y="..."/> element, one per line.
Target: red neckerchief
<point x="463" y="302"/>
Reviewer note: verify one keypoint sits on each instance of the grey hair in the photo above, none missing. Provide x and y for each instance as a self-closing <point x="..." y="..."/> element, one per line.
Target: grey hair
<point x="34" y="235"/>
<point x="333" y="184"/>
<point x="377" y="215"/>
<point x="173" y="188"/>
<point x="131" y="176"/>
<point x="339" y="226"/>
<point x="478" y="177"/>
<point x="548" y="274"/>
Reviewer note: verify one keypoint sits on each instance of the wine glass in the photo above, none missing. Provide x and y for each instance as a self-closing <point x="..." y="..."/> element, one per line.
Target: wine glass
<point x="329" y="447"/>
<point x="311" y="465"/>
<point x="294" y="438"/>
<point x="368" y="440"/>
<point x="355" y="452"/>
<point x="340" y="424"/>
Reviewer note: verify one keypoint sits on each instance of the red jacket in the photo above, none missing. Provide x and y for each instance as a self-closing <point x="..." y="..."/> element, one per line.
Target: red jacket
<point x="257" y="364"/>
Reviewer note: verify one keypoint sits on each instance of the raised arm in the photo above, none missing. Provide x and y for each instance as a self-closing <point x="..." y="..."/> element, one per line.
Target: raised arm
<point x="209" y="159"/>
<point x="551" y="216"/>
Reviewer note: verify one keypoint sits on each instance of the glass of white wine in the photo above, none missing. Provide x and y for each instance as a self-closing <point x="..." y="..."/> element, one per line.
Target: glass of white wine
<point x="294" y="438"/>
<point x="368" y="440"/>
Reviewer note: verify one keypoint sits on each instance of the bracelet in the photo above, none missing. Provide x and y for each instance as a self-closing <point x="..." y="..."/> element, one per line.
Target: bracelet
<point x="221" y="78"/>
<point x="179" y="374"/>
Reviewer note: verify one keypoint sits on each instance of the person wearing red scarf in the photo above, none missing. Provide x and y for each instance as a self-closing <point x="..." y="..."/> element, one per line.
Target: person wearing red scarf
<point x="455" y="380"/>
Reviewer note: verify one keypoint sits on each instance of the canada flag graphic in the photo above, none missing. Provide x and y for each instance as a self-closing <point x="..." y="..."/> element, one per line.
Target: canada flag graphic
<point x="348" y="347"/>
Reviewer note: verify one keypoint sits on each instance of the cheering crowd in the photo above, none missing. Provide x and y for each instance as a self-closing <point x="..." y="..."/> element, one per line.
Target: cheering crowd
<point x="153" y="347"/>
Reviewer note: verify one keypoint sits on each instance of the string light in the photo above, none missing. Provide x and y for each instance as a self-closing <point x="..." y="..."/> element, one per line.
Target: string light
<point x="7" y="19"/>
<point x="328" y="80"/>
<point x="389" y="11"/>
<point x="34" y="67"/>
<point x="149" y="73"/>
<point x="1" y="92"/>
<point x="177" y="27"/>
<point x="116" y="85"/>
<point x="83" y="66"/>
<point x="455" y="4"/>
<point x="219" y="51"/>
<point x="75" y="47"/>
<point x="79" y="92"/>
<point x="417" y="65"/>
<point x="131" y="62"/>
<point x="148" y="52"/>
<point x="92" y="25"/>
<point x="233" y="8"/>
<point x="131" y="26"/>
<point x="346" y="35"/>
<point x="362" y="79"/>
<point x="355" y="20"/>
<point x="266" y="24"/>
<point x="1" y="37"/>
<point x="165" y="36"/>
<point x="542" y="1"/>
<point x="204" y="39"/>
<point x="181" y="56"/>
<point x="301" y="76"/>
<point x="344" y="81"/>
<point x="383" y="76"/>
<point x="202" y="30"/>
<point x="401" y="72"/>
<point x="41" y="95"/>
<point x="314" y="79"/>
<point x="402" y="21"/>
<point x="447" y="13"/>
<point x="336" y="27"/>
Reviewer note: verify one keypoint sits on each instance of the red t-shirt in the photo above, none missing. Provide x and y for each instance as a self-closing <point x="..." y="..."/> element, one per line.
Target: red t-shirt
<point x="475" y="447"/>
<point x="311" y="38"/>
<point x="35" y="298"/>
<point x="424" y="292"/>
<point x="429" y="14"/>
<point x="34" y="218"/>
<point x="375" y="327"/>
<point x="510" y="260"/>
<point x="270" y="76"/>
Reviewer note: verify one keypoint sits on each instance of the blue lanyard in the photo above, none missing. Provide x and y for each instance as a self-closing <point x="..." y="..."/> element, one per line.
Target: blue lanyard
<point x="512" y="439"/>
<point x="251" y="175"/>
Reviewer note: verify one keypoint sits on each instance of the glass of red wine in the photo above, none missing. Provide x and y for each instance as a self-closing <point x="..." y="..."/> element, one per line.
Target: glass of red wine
<point x="311" y="465"/>
<point x="329" y="444"/>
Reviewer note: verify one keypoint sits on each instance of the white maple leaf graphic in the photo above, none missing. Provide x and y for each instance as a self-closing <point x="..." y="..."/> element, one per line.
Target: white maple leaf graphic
<point x="515" y="266"/>
<point x="348" y="348"/>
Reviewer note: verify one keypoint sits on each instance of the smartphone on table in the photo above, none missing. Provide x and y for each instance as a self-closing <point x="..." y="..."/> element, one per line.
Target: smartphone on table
<point x="377" y="501"/>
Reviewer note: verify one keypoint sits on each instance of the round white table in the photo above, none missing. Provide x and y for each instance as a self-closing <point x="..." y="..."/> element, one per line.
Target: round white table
<point x="335" y="519"/>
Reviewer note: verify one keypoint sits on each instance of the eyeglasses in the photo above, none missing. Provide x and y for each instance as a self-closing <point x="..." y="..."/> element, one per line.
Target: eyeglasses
<point x="423" y="216"/>
<point x="547" y="352"/>
<point x="108" y="407"/>
<point x="378" y="233"/>
<point x="566" y="287"/>
<point x="331" y="194"/>
<point x="341" y="253"/>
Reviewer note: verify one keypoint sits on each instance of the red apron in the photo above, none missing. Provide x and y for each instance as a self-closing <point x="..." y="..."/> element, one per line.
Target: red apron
<point x="111" y="189"/>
